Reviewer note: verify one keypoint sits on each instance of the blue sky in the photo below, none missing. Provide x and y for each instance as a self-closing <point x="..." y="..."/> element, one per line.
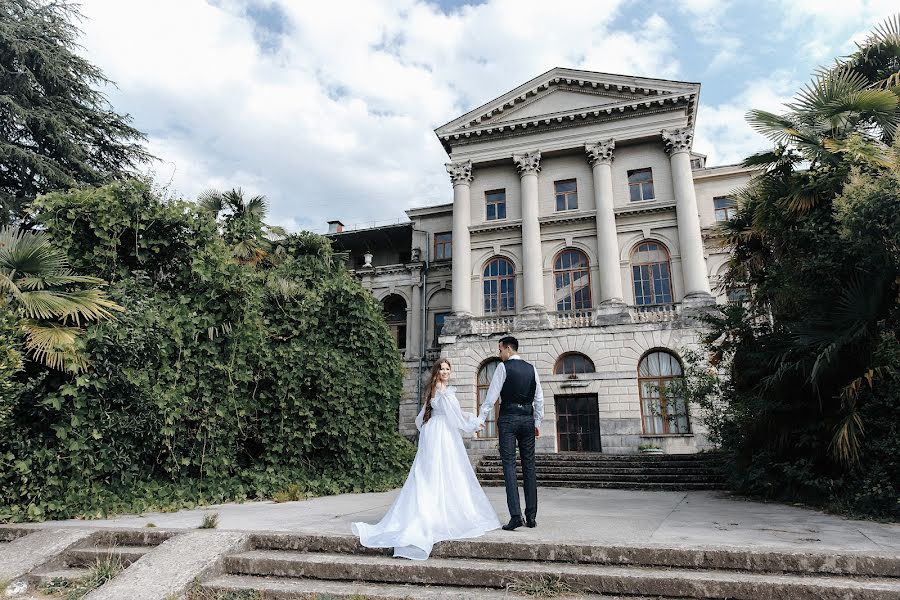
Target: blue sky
<point x="328" y="108"/>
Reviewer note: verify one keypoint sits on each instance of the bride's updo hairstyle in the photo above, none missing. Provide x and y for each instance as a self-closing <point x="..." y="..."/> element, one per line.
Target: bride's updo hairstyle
<point x="432" y="384"/>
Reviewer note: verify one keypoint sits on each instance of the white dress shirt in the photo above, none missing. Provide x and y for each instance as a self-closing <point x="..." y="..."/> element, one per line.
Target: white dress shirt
<point x="493" y="394"/>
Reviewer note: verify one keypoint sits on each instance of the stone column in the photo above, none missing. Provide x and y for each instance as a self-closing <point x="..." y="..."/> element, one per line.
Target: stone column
<point x="414" y="318"/>
<point x="612" y="300"/>
<point x="693" y="264"/>
<point x="529" y="165"/>
<point x="461" y="259"/>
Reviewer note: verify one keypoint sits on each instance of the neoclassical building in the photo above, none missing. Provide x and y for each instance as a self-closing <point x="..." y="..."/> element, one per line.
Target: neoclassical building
<point x="582" y="223"/>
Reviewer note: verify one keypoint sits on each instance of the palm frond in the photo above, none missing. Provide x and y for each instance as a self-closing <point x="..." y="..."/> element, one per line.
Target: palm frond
<point x="826" y="89"/>
<point x="777" y="128"/>
<point x="864" y="151"/>
<point x="42" y="282"/>
<point x="210" y="203"/>
<point x="54" y="345"/>
<point x="75" y="306"/>
<point x="28" y="252"/>
<point x="257" y="207"/>
<point x="846" y="443"/>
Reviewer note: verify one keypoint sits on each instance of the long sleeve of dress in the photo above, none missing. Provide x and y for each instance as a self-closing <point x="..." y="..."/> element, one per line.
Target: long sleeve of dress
<point x="420" y="419"/>
<point x="456" y="417"/>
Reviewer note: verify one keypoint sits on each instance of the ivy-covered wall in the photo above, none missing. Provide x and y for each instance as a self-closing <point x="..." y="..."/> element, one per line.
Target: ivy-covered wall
<point x="222" y="379"/>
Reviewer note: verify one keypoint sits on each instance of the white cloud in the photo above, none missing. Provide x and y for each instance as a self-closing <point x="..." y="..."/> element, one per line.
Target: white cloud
<point x="831" y="25"/>
<point x="722" y="132"/>
<point x="335" y="119"/>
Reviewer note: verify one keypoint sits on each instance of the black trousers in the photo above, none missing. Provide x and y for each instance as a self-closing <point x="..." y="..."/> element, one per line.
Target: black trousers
<point x="518" y="429"/>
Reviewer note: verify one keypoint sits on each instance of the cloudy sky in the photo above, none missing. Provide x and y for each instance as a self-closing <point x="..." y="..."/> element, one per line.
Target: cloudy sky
<point x="328" y="107"/>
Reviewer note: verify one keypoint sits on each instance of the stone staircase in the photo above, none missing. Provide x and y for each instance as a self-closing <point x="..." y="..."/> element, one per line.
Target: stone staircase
<point x="633" y="471"/>
<point x="120" y="547"/>
<point x="293" y="566"/>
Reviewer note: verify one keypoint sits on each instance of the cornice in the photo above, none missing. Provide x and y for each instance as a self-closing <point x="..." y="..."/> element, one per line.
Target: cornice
<point x="649" y="208"/>
<point x="572" y="217"/>
<point x="496" y="226"/>
<point x="565" y="121"/>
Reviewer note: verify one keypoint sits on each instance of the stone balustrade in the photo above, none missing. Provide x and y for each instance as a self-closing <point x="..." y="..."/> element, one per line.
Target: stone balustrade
<point x="655" y="313"/>
<point x="492" y="324"/>
<point x="563" y="319"/>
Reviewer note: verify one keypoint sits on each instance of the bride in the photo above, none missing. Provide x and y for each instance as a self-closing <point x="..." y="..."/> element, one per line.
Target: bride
<point x="441" y="499"/>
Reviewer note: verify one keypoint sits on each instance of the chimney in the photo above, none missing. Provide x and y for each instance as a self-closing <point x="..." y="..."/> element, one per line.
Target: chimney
<point x="335" y="227"/>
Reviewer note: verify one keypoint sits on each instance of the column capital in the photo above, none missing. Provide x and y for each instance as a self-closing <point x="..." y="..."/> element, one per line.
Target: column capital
<point x="600" y="153"/>
<point x="528" y="163"/>
<point x="678" y="140"/>
<point x="460" y="172"/>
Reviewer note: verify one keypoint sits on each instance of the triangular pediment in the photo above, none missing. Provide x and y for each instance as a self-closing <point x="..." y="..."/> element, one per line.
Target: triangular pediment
<point x="563" y="93"/>
<point x="558" y="99"/>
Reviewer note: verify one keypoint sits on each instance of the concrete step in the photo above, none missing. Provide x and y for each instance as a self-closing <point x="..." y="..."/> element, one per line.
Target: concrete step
<point x="546" y="468"/>
<point x="70" y="575"/>
<point x="597" y="579"/>
<point x="621" y="485"/>
<point x="9" y="533"/>
<point x="90" y="555"/>
<point x="288" y="588"/>
<point x="821" y="562"/>
<point x="494" y="473"/>
<point x="599" y="456"/>
<point x="618" y="464"/>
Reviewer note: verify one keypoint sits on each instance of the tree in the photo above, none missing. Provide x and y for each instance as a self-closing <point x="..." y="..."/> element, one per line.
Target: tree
<point x="814" y="342"/>
<point x="53" y="302"/>
<point x="242" y="228"/>
<point x="57" y="129"/>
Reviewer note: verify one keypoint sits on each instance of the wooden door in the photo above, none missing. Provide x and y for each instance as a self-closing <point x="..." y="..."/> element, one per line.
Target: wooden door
<point x="577" y="423"/>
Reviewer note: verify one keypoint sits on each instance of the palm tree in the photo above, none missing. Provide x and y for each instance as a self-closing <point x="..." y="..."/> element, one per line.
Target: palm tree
<point x="52" y="301"/>
<point x="844" y="121"/>
<point x="243" y="227"/>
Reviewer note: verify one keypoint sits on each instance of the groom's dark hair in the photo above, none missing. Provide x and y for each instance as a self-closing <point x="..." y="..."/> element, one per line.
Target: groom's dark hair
<point x="510" y="342"/>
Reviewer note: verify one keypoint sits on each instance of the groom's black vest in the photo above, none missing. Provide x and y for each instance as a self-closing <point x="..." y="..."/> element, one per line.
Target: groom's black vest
<point x="517" y="393"/>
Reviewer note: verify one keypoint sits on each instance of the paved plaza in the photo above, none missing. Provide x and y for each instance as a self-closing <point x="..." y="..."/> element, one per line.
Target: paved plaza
<point x="708" y="519"/>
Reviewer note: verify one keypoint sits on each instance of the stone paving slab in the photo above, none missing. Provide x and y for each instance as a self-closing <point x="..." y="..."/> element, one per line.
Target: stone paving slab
<point x="279" y="588"/>
<point x="170" y="567"/>
<point x="28" y="552"/>
<point x="597" y="516"/>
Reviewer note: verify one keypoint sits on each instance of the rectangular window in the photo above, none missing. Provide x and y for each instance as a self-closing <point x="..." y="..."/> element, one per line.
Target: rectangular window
<point x="566" y="195"/>
<point x="495" y="200"/>
<point x="640" y="184"/>
<point x="726" y="208"/>
<point x="442" y="244"/>
<point x="652" y="284"/>
<point x="439" y="325"/>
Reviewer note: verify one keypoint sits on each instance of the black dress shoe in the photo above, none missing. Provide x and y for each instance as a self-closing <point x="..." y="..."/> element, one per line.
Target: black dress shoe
<point x="514" y="523"/>
<point x="530" y="522"/>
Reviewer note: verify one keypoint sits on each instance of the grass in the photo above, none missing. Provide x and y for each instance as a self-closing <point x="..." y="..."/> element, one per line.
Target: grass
<point x="540" y="587"/>
<point x="210" y="521"/>
<point x="150" y="525"/>
<point x="293" y="493"/>
<point x="101" y="571"/>
<point x="195" y="592"/>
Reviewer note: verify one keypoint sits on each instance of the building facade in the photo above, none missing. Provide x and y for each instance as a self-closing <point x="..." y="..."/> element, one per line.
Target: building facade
<point x="583" y="224"/>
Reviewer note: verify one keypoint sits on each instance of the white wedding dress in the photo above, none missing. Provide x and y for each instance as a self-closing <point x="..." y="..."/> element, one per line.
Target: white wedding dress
<point x="441" y="499"/>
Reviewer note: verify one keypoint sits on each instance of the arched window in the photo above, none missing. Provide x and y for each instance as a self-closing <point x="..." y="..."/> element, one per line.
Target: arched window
<point x="573" y="363"/>
<point x="485" y="374"/>
<point x="394" y="309"/>
<point x="663" y="409"/>
<point x="573" y="280"/>
<point x="499" y="286"/>
<point x="651" y="273"/>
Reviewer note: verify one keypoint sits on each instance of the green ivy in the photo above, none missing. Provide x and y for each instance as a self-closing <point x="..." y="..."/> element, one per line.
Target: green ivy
<point x="221" y="381"/>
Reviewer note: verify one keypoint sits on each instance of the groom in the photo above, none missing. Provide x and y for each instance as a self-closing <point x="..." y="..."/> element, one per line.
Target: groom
<point x="517" y="385"/>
